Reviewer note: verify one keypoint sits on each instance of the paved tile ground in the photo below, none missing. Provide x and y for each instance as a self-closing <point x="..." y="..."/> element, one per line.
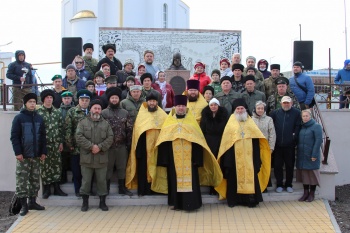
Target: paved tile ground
<point x="284" y="216"/>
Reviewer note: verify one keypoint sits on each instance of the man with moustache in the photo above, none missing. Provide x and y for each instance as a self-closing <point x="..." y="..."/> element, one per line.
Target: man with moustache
<point x="184" y="160"/>
<point x="287" y="122"/>
<point x="196" y="101"/>
<point x="148" y="57"/>
<point x="147" y="127"/>
<point x="121" y="124"/>
<point x="74" y="115"/>
<point x="133" y="101"/>
<point x="90" y="62"/>
<point x="113" y="62"/>
<point x="94" y="137"/>
<point x="244" y="157"/>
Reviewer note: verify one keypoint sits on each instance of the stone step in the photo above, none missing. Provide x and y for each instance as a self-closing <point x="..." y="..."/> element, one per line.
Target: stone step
<point x="122" y="200"/>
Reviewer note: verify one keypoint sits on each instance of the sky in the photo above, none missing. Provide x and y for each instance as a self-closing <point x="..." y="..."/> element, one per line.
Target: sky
<point x="268" y="28"/>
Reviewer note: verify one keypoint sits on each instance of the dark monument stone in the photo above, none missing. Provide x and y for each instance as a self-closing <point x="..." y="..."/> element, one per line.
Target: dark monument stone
<point x="177" y="79"/>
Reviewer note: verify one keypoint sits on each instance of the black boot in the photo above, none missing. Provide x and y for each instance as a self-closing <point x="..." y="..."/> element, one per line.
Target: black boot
<point x="33" y="205"/>
<point x="312" y="193"/>
<point x="122" y="189"/>
<point x="24" y="209"/>
<point x="64" y="177"/>
<point x="85" y="205"/>
<point x="46" y="191"/>
<point x="103" y="205"/>
<point x="57" y="190"/>
<point x="306" y="193"/>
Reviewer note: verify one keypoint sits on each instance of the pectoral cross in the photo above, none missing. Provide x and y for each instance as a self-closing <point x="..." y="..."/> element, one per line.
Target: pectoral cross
<point x="242" y="134"/>
<point x="179" y="129"/>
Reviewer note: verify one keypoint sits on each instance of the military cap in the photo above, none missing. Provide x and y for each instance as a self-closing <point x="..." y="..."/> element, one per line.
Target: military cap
<point x="67" y="94"/>
<point x="84" y="94"/>
<point x="282" y="80"/>
<point x="57" y="76"/>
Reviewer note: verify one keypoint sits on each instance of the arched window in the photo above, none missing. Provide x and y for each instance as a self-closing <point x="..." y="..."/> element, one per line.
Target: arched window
<point x="165" y="15"/>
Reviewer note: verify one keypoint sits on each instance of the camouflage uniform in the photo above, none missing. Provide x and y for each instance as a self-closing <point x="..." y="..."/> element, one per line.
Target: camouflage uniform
<point x="51" y="168"/>
<point x="274" y="102"/>
<point x="74" y="115"/>
<point x="90" y="65"/>
<point x="216" y="86"/>
<point x="28" y="177"/>
<point x="271" y="87"/>
<point x="238" y="86"/>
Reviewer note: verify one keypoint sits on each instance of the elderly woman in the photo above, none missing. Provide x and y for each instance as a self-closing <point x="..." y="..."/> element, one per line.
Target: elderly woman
<point x="308" y="155"/>
<point x="160" y="85"/>
<point x="266" y="126"/>
<point x="264" y="123"/>
<point x="213" y="122"/>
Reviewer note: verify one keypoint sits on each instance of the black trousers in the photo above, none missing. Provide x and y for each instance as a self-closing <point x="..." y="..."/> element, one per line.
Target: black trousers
<point x="284" y="156"/>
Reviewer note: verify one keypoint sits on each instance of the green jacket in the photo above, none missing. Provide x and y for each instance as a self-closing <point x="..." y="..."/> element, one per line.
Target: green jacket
<point x="74" y="115"/>
<point x="132" y="106"/>
<point x="274" y="101"/>
<point x="53" y="125"/>
<point x="216" y="86"/>
<point x="252" y="98"/>
<point x="227" y="100"/>
<point x="91" y="133"/>
<point x="90" y="65"/>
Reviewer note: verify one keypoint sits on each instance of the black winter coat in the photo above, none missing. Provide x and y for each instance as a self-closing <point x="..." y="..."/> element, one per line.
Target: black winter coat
<point x="28" y="135"/>
<point x="287" y="126"/>
<point x="14" y="71"/>
<point x="213" y="127"/>
<point x="115" y="65"/>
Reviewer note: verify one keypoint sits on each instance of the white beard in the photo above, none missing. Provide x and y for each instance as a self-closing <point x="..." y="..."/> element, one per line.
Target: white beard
<point x="95" y="116"/>
<point x="241" y="117"/>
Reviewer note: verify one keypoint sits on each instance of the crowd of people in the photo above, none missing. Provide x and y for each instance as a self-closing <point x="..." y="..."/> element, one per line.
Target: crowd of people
<point x="225" y="131"/>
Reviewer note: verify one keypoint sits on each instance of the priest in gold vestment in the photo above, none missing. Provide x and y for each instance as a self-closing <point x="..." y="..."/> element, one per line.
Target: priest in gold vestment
<point x="147" y="126"/>
<point x="244" y="157"/>
<point x="184" y="160"/>
<point x="196" y="101"/>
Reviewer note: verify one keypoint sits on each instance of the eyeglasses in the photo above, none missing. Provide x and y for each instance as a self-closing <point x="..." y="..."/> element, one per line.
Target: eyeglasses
<point x="78" y="62"/>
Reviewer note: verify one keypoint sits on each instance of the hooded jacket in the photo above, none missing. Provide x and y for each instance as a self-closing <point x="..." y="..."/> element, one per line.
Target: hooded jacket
<point x="264" y="72"/>
<point x="28" y="135"/>
<point x="14" y="71"/>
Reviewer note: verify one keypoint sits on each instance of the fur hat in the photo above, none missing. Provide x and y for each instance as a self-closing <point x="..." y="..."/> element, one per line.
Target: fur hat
<point x="237" y="67"/>
<point x="114" y="91"/>
<point x="96" y="101"/>
<point x="239" y="102"/>
<point x="146" y="75"/>
<point x="45" y="93"/>
<point x="109" y="46"/>
<point x="88" y="45"/>
<point x="151" y="96"/>
<point x="249" y="77"/>
<point x="225" y="78"/>
<point x="30" y="96"/>
<point x="275" y="66"/>
<point x="192" y="84"/>
<point x="180" y="100"/>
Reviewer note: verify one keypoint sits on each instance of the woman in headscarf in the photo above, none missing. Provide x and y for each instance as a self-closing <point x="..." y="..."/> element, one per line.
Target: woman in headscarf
<point x="165" y="89"/>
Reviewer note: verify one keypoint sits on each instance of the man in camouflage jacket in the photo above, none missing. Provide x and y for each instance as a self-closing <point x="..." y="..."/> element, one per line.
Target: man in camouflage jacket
<point x="274" y="100"/>
<point x="122" y="124"/>
<point x="74" y="115"/>
<point x="51" y="168"/>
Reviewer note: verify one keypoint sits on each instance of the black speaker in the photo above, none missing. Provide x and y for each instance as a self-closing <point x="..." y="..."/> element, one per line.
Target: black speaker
<point x="71" y="47"/>
<point x="304" y="52"/>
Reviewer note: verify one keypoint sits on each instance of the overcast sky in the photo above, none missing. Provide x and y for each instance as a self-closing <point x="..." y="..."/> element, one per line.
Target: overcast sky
<point x="268" y="27"/>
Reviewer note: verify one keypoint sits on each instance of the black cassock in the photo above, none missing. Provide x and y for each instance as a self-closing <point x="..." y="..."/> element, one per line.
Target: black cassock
<point x="143" y="187"/>
<point x="181" y="200"/>
<point x="228" y="166"/>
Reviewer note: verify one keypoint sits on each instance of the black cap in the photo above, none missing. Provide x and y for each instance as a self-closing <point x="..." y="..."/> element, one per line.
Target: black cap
<point x="239" y="102"/>
<point x="282" y="80"/>
<point x="225" y="78"/>
<point x="237" y="66"/>
<point x="275" y="66"/>
<point x="249" y="77"/>
<point x="298" y="63"/>
<point x="210" y="88"/>
<point x="145" y="75"/>
<point x="88" y="45"/>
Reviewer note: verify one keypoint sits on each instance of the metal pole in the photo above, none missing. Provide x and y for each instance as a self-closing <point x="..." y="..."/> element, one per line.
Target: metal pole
<point x="346" y="34"/>
<point x="300" y="30"/>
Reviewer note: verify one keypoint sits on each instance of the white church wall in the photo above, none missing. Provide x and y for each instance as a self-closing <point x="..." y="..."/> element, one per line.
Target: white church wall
<point x="134" y="14"/>
<point x="183" y="13"/>
<point x="109" y="13"/>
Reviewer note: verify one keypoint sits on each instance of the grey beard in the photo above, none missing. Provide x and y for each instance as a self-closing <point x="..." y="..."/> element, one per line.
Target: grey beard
<point x="95" y="116"/>
<point x="241" y="117"/>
